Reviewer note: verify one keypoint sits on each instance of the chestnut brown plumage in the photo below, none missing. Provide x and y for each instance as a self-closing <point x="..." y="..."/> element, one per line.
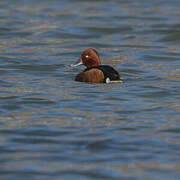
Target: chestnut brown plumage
<point x="95" y="72"/>
<point x="93" y="76"/>
<point x="90" y="58"/>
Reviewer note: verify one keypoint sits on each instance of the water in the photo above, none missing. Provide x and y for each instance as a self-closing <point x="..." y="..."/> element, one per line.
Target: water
<point x="52" y="127"/>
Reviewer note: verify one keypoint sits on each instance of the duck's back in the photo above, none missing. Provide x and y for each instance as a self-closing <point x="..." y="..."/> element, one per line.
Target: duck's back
<point x="98" y="74"/>
<point x="109" y="72"/>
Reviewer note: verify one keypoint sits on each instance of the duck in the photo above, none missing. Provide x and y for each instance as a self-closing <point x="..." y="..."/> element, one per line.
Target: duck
<point x="95" y="72"/>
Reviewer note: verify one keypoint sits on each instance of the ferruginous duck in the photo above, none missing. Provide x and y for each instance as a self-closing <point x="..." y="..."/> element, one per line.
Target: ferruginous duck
<point x="95" y="72"/>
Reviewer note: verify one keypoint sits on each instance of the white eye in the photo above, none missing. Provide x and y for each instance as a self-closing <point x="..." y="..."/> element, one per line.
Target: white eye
<point x="87" y="56"/>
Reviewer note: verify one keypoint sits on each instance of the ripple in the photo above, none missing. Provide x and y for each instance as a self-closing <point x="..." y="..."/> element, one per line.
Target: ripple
<point x="52" y="127"/>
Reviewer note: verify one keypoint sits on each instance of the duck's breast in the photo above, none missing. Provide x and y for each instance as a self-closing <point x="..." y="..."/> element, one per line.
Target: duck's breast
<point x="92" y="75"/>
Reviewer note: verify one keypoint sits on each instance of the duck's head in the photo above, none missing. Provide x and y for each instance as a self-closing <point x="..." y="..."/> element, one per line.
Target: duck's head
<point x="89" y="58"/>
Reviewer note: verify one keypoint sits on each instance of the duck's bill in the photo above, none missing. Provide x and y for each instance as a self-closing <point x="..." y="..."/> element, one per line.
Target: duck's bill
<point x="79" y="62"/>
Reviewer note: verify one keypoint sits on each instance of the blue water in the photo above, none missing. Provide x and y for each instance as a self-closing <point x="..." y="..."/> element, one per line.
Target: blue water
<point x="52" y="127"/>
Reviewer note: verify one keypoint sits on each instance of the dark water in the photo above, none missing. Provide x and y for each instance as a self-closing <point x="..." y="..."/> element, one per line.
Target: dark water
<point x="54" y="128"/>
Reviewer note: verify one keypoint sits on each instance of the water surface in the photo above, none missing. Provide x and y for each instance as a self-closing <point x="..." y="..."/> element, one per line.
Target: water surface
<point x="52" y="127"/>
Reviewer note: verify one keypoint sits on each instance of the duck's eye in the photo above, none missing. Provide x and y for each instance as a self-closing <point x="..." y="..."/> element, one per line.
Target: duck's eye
<point x="87" y="56"/>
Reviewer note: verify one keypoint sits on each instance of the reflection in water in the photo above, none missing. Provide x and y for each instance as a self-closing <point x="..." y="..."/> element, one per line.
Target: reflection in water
<point x="55" y="128"/>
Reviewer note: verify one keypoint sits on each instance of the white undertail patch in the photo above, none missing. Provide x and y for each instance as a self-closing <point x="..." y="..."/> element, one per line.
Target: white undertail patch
<point x="108" y="80"/>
